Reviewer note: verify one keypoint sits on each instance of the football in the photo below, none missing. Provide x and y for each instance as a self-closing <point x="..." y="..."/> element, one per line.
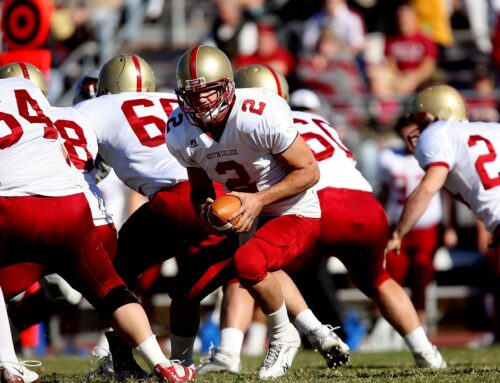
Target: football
<point x="221" y="209"/>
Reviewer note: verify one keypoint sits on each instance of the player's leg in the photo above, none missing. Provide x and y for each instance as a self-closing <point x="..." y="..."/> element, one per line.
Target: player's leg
<point x="369" y="275"/>
<point x="494" y="257"/>
<point x="91" y="270"/>
<point x="321" y="336"/>
<point x="256" y="336"/>
<point x="151" y="228"/>
<point x="202" y="269"/>
<point x="422" y="274"/>
<point x="354" y="228"/>
<point x="236" y="314"/>
<point x="11" y="369"/>
<point x="275" y="244"/>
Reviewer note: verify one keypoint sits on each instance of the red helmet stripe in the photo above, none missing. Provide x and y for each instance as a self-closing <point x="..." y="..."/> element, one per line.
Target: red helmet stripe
<point x="24" y="69"/>
<point x="192" y="62"/>
<point x="276" y="78"/>
<point x="137" y="65"/>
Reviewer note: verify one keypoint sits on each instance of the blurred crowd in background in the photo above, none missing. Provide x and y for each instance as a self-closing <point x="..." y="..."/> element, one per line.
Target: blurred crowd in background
<point x="362" y="59"/>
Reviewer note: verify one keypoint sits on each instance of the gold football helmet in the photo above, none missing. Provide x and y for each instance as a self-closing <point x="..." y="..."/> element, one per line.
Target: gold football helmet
<point x="204" y="70"/>
<point x="27" y="71"/>
<point x="262" y="76"/>
<point x="126" y="73"/>
<point x="442" y="101"/>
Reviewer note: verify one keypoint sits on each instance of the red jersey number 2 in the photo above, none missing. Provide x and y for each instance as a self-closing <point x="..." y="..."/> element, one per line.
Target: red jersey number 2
<point x="487" y="181"/>
<point x="249" y="106"/>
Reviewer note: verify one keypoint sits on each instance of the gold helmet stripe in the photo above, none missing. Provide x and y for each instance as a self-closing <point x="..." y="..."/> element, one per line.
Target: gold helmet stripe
<point x="24" y="71"/>
<point x="276" y="79"/>
<point x="192" y="62"/>
<point x="137" y="65"/>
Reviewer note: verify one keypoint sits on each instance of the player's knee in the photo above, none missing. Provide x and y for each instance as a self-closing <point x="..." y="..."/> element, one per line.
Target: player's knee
<point x="370" y="287"/>
<point x="114" y="299"/>
<point x="250" y="265"/>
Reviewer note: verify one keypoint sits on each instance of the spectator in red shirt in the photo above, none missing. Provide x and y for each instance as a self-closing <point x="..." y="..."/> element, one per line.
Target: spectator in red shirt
<point x="269" y="51"/>
<point x="410" y="54"/>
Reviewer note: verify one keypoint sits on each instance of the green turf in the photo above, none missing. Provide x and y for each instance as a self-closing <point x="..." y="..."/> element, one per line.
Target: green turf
<point x="481" y="365"/>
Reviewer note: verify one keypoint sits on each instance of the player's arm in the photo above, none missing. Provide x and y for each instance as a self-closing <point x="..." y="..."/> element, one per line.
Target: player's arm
<point x="303" y="173"/>
<point x="202" y="189"/>
<point x="416" y="204"/>
<point x="450" y="237"/>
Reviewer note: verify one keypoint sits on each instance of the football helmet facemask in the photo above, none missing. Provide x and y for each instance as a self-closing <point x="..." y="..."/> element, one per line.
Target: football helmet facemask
<point x="205" y="85"/>
<point x="27" y="71"/>
<point x="262" y="76"/>
<point x="126" y="73"/>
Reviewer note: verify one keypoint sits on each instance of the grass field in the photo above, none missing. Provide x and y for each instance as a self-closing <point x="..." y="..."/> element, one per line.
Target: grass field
<point x="465" y="365"/>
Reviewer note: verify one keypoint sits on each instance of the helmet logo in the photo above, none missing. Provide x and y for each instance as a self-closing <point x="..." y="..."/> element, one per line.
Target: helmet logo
<point x="194" y="83"/>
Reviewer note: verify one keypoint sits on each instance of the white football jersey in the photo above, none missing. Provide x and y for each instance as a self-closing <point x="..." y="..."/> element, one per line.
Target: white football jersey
<point x="400" y="171"/>
<point x="470" y="151"/>
<point x="336" y="162"/>
<point x="80" y="142"/>
<point x="259" y="127"/>
<point x="130" y="129"/>
<point x="31" y="155"/>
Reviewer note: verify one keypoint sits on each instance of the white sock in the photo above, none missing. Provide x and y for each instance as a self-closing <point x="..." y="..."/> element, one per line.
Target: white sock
<point x="102" y="346"/>
<point x="417" y="341"/>
<point x="278" y="321"/>
<point x="7" y="352"/>
<point x="231" y="340"/>
<point x="306" y="322"/>
<point x="151" y="352"/>
<point x="256" y="338"/>
<point x="182" y="348"/>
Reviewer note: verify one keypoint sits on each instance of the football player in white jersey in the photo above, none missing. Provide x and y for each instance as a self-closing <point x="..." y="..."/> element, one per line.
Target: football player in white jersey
<point x="80" y="143"/>
<point x="50" y="225"/>
<point x="399" y="174"/>
<point x="129" y="119"/>
<point x="237" y="306"/>
<point x="246" y="140"/>
<point x="460" y="156"/>
<point x="353" y="221"/>
<point x="12" y="369"/>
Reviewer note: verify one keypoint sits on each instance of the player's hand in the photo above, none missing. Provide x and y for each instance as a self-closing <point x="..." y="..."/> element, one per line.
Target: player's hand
<point x="250" y="208"/>
<point x="203" y="216"/>
<point x="394" y="244"/>
<point x="450" y="237"/>
<point x="483" y="241"/>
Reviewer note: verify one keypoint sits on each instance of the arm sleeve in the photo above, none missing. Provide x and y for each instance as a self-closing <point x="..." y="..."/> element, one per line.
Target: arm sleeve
<point x="435" y="147"/>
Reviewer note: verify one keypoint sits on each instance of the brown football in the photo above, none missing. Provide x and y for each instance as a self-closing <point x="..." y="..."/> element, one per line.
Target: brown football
<point x="221" y="209"/>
